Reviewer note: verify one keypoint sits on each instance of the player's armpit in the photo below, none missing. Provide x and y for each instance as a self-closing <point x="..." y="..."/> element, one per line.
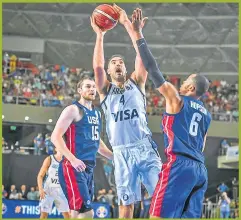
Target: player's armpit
<point x="171" y="94"/>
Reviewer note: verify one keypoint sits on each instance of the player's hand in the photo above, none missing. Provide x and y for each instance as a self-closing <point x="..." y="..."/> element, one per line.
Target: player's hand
<point x="138" y="22"/>
<point x="42" y="194"/>
<point x="95" y="27"/>
<point x="78" y="165"/>
<point x="122" y="14"/>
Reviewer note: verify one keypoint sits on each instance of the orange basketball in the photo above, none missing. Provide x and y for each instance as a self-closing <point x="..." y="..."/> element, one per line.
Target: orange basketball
<point x="105" y="16"/>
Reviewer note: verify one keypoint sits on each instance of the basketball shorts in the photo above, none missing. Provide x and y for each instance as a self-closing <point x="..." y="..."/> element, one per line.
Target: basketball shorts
<point x="180" y="189"/>
<point x="54" y="195"/>
<point x="135" y="164"/>
<point x="78" y="187"/>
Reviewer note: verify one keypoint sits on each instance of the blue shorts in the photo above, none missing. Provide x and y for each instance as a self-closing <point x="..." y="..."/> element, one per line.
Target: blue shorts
<point x="135" y="164"/>
<point x="180" y="189"/>
<point x="78" y="187"/>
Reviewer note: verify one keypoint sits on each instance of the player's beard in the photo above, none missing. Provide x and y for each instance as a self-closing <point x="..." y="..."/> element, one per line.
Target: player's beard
<point x="88" y="98"/>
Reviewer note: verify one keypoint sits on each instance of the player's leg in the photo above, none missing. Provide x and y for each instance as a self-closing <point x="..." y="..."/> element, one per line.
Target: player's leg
<point x="61" y="203"/>
<point x="149" y="168"/>
<point x="88" y="214"/>
<point x="46" y="206"/>
<point x="74" y="186"/>
<point x="194" y="203"/>
<point x="176" y="181"/>
<point x="126" y="179"/>
<point x="43" y="215"/>
<point x="66" y="215"/>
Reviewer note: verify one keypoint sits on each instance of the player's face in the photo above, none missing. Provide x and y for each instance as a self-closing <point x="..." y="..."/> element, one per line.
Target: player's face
<point x="88" y="90"/>
<point x="187" y="85"/>
<point x="117" y="69"/>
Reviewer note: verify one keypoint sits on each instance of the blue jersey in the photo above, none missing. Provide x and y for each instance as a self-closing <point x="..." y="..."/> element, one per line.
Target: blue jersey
<point x="184" y="132"/>
<point x="83" y="137"/>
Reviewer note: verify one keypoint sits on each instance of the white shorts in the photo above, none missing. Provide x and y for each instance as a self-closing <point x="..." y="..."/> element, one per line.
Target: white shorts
<point x="135" y="164"/>
<point x="56" y="196"/>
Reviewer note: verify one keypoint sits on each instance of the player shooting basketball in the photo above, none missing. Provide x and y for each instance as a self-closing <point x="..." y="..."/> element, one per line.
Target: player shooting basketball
<point x="123" y="101"/>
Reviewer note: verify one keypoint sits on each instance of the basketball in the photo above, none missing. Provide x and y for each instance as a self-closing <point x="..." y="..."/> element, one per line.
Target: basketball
<point x="105" y="16"/>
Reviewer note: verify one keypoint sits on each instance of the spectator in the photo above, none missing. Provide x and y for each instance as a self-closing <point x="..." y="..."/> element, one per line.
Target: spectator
<point x="102" y="196"/>
<point x="115" y="207"/>
<point x="235" y="189"/>
<point x="13" y="194"/>
<point x="23" y="191"/>
<point x="4" y="192"/>
<point x="224" y="147"/>
<point x="32" y="194"/>
<point x="12" y="189"/>
<point x="37" y="193"/>
<point x="110" y="196"/>
<point x="48" y="145"/>
<point x="209" y="206"/>
<point x="108" y="170"/>
<point x="224" y="203"/>
<point x="38" y="141"/>
<point x="146" y="205"/>
<point x="222" y="188"/>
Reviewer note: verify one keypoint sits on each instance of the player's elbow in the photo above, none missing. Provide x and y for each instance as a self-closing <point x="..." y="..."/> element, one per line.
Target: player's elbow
<point x="54" y="138"/>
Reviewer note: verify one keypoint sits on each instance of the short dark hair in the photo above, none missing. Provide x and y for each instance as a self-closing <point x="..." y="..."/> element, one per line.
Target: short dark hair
<point x="201" y="84"/>
<point x="115" y="55"/>
<point x="85" y="77"/>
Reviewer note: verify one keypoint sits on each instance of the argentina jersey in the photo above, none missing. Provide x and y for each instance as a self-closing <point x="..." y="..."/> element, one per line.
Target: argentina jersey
<point x="83" y="137"/>
<point x="185" y="131"/>
<point x="125" y="114"/>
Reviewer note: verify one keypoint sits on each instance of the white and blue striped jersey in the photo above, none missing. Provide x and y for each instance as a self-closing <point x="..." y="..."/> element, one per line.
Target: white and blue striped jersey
<point x="125" y="114"/>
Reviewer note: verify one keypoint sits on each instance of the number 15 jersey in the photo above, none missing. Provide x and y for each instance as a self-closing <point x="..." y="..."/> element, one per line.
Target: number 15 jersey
<point x="185" y="131"/>
<point x="125" y="114"/>
<point x="83" y="137"/>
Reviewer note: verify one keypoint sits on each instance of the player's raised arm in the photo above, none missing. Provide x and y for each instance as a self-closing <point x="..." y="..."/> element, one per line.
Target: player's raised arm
<point x="68" y="115"/>
<point x="41" y="175"/>
<point x="99" y="60"/>
<point x="165" y="88"/>
<point x="140" y="73"/>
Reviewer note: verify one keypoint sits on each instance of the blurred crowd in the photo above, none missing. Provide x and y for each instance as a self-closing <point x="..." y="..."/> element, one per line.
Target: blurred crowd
<point x="55" y="85"/>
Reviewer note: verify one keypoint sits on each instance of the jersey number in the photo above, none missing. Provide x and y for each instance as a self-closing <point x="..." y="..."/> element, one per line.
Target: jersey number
<point x="194" y="124"/>
<point x="95" y="133"/>
<point x="122" y="100"/>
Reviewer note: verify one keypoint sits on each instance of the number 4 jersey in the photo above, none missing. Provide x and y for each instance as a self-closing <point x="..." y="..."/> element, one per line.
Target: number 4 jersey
<point x="125" y="114"/>
<point x="83" y="137"/>
<point x="185" y="131"/>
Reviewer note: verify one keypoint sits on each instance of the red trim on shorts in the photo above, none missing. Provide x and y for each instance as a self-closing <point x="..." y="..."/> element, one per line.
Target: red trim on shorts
<point x="158" y="196"/>
<point x="74" y="197"/>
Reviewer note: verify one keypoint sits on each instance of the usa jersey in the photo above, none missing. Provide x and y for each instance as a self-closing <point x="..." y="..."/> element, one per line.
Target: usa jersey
<point x="125" y="114"/>
<point x="83" y="137"/>
<point x="184" y="132"/>
<point x="52" y="179"/>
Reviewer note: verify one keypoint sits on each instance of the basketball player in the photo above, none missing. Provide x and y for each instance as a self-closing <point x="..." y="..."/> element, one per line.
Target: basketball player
<point x="123" y="101"/>
<point x="50" y="190"/>
<point x="183" y="180"/>
<point x="81" y="124"/>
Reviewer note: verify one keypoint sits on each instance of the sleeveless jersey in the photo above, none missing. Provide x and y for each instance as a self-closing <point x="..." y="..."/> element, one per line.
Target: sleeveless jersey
<point x="83" y="137"/>
<point x="125" y="114"/>
<point x="52" y="179"/>
<point x="184" y="132"/>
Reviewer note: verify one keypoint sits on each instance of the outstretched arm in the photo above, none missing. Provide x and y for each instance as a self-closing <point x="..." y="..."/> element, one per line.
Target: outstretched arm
<point x="140" y="73"/>
<point x="173" y="100"/>
<point x="99" y="61"/>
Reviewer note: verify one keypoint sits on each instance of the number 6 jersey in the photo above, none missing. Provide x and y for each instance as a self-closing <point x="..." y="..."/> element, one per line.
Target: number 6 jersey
<point x="83" y="137"/>
<point x="125" y="114"/>
<point x="185" y="131"/>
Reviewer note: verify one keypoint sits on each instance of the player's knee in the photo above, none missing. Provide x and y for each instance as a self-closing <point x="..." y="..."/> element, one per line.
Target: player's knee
<point x="66" y="215"/>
